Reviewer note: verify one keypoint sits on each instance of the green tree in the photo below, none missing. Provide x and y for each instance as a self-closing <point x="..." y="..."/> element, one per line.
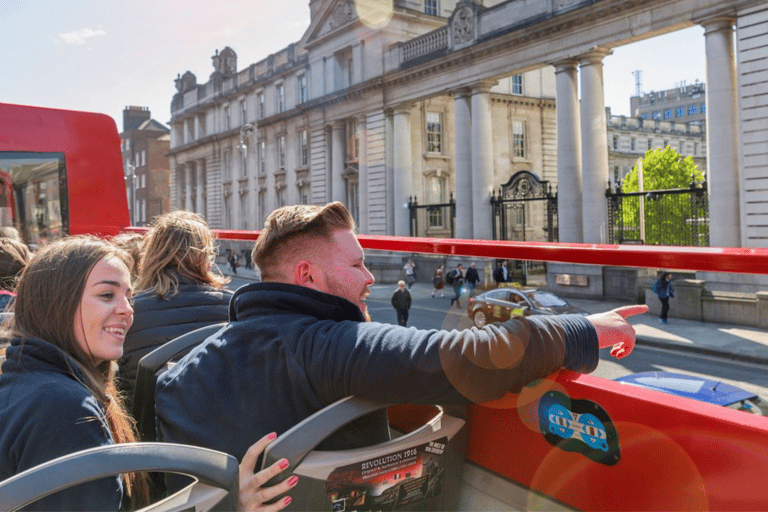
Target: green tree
<point x="670" y="219"/>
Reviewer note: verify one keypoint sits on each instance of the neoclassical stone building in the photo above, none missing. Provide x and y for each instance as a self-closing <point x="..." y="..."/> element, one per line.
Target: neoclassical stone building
<point x="374" y="105"/>
<point x="310" y="124"/>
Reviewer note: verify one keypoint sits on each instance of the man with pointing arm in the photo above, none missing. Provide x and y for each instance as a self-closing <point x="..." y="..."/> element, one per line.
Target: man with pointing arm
<point x="300" y="340"/>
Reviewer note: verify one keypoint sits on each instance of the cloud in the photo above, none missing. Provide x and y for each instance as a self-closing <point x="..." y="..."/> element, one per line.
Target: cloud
<point x="80" y="36"/>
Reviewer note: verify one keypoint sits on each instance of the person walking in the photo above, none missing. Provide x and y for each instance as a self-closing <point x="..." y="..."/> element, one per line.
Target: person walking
<point x="410" y="273"/>
<point x="501" y="274"/>
<point x="472" y="278"/>
<point x="401" y="301"/>
<point x="437" y="281"/>
<point x="663" y="290"/>
<point x="456" y="279"/>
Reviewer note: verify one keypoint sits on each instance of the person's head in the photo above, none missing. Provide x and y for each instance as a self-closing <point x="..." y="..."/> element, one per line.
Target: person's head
<point x="472" y="264"/>
<point x="315" y="247"/>
<point x="75" y="294"/>
<point x="179" y="247"/>
<point x="667" y="276"/>
<point x="133" y="244"/>
<point x="14" y="256"/>
<point x="504" y="263"/>
<point x="401" y="285"/>
<point x="10" y="232"/>
<point x="459" y="266"/>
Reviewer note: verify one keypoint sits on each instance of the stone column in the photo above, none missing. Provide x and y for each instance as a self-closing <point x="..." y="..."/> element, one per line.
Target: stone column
<point x="569" y="199"/>
<point x="362" y="173"/>
<point x="201" y="171"/>
<point x="722" y="136"/>
<point x="594" y="148"/>
<point x="402" y="169"/>
<point x="389" y="159"/>
<point x="188" y="186"/>
<point x="482" y="161"/>
<point x="463" y="163"/>
<point x="337" y="161"/>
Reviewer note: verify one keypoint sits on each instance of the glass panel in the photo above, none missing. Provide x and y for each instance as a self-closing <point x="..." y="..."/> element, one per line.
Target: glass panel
<point x="33" y="197"/>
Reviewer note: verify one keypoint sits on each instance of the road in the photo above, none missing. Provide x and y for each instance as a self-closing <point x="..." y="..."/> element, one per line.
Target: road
<point x="431" y="313"/>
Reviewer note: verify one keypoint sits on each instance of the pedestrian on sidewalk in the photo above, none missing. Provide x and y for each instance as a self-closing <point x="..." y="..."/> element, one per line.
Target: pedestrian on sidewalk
<point x="472" y="278"/>
<point x="233" y="262"/>
<point x="456" y="279"/>
<point x="437" y="281"/>
<point x="401" y="301"/>
<point x="410" y="273"/>
<point x="663" y="290"/>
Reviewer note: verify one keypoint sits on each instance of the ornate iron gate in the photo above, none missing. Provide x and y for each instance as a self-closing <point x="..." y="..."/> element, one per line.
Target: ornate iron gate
<point x="659" y="217"/>
<point x="525" y="209"/>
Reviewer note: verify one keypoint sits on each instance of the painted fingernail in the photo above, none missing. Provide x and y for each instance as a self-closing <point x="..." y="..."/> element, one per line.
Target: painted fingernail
<point x="287" y="500"/>
<point x="283" y="464"/>
<point x="271" y="436"/>
<point x="292" y="481"/>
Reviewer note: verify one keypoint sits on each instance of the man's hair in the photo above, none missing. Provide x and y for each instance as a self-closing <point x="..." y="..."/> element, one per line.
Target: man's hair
<point x="291" y="229"/>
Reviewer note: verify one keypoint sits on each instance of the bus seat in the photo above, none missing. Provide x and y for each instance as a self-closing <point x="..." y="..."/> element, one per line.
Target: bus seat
<point x="216" y="475"/>
<point x="153" y="364"/>
<point x="421" y="470"/>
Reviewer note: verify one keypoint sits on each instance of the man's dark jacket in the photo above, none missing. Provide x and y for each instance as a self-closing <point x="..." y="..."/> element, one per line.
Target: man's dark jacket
<point x="498" y="274"/>
<point x="472" y="277"/>
<point x="157" y="321"/>
<point x="45" y="413"/>
<point x="289" y="351"/>
<point x="401" y="299"/>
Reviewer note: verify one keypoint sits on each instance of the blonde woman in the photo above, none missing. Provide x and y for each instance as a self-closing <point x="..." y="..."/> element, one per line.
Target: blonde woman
<point x="177" y="292"/>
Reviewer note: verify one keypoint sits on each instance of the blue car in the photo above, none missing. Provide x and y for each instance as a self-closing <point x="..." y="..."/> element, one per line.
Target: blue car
<point x="699" y="388"/>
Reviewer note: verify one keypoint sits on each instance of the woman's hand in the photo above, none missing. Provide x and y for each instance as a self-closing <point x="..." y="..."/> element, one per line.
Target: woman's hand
<point x="252" y="495"/>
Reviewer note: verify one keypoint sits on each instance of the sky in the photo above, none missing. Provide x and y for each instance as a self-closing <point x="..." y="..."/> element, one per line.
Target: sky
<point x="103" y="55"/>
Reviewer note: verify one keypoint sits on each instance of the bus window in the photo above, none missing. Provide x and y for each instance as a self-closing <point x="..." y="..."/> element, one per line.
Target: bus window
<point x="33" y="197"/>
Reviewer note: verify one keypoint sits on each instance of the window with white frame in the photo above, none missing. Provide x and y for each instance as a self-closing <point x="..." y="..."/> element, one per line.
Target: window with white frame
<point x="262" y="105"/>
<point x="353" y="198"/>
<point x="304" y="193"/>
<point x="281" y="152"/>
<point x="262" y="157"/>
<point x="632" y="144"/>
<point x="244" y="209"/>
<point x="615" y="142"/>
<point x="227" y="118"/>
<point x="281" y="196"/>
<point x="517" y="84"/>
<point x="434" y="132"/>
<point x="143" y="157"/>
<point x="430" y="7"/>
<point x="353" y="142"/>
<point x="262" y="207"/>
<point x="303" y="148"/>
<point x="518" y="139"/>
<point x="280" y="98"/>
<point x="243" y="112"/>
<point x="436" y="193"/>
<point x="228" y="165"/>
<point x="302" y="86"/>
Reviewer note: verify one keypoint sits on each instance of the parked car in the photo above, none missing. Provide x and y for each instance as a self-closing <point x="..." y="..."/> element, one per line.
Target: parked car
<point x="502" y="303"/>
<point x="702" y="389"/>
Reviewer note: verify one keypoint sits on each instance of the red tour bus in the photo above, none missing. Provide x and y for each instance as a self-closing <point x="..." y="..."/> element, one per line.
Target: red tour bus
<point x="570" y="441"/>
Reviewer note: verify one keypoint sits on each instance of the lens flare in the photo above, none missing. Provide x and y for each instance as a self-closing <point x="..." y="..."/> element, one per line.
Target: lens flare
<point x="374" y="14"/>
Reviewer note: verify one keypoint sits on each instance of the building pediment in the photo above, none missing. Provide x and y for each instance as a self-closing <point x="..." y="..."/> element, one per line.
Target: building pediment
<point x="332" y="16"/>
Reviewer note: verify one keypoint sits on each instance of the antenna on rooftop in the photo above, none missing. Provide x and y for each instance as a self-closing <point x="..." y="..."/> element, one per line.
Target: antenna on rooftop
<point x="638" y="74"/>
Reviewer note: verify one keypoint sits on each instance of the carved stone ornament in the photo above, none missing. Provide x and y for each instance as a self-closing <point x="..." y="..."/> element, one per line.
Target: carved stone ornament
<point x="463" y="27"/>
<point x="343" y="13"/>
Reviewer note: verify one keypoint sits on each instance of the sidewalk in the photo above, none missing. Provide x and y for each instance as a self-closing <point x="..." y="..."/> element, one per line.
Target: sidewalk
<point x="721" y="340"/>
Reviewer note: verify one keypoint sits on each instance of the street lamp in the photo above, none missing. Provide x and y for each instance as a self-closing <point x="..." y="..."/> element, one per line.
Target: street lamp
<point x="246" y="131"/>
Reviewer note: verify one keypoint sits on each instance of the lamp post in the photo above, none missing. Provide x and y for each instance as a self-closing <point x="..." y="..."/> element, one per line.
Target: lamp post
<point x="247" y="130"/>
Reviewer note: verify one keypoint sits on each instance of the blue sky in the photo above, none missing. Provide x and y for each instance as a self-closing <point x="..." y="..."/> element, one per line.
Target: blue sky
<point x="101" y="55"/>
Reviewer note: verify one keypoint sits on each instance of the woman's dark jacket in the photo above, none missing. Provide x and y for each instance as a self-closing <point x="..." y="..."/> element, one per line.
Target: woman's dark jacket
<point x="157" y="321"/>
<point x="45" y="413"/>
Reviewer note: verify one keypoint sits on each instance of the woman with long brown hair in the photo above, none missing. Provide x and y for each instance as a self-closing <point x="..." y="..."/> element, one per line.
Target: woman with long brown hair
<point x="57" y="392"/>
<point x="177" y="290"/>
